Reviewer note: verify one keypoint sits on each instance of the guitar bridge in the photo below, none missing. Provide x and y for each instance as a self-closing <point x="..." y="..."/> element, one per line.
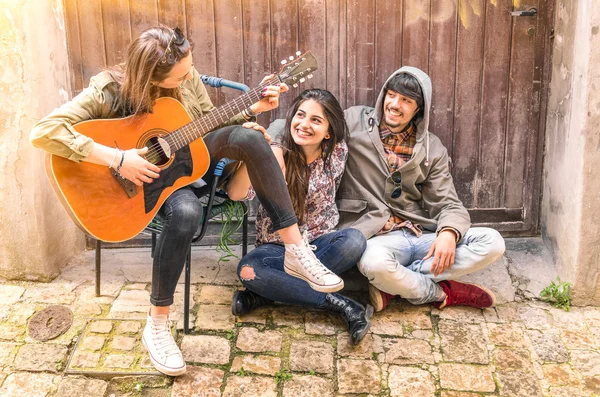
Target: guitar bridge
<point x="129" y="187"/>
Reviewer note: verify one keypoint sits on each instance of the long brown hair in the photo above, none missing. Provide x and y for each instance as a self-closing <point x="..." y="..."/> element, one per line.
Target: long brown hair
<point x="296" y="171"/>
<point x="150" y="58"/>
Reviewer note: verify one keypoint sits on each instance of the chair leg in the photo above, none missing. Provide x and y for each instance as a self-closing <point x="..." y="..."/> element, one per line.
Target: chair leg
<point x="186" y="293"/>
<point x="245" y="231"/>
<point x="153" y="245"/>
<point x="98" y="265"/>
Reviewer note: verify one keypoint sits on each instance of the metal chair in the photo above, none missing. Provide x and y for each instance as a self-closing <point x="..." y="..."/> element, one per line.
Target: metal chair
<point x="211" y="210"/>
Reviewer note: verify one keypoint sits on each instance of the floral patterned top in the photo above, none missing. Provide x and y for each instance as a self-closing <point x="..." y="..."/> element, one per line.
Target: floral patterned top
<point x="321" y="215"/>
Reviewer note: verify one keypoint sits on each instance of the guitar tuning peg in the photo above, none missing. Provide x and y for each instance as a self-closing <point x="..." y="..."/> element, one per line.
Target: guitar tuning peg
<point x="295" y="85"/>
<point x="310" y="76"/>
<point x="302" y="80"/>
<point x="298" y="53"/>
<point x="283" y="62"/>
<point x="291" y="58"/>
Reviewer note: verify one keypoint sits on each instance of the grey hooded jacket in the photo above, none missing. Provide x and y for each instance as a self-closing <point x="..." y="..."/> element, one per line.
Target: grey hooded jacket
<point x="428" y="195"/>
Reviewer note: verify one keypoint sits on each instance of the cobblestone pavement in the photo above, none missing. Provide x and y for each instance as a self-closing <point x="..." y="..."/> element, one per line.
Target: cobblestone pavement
<point x="524" y="348"/>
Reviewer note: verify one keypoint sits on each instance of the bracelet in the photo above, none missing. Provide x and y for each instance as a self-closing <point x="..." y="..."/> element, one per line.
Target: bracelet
<point x="121" y="164"/>
<point x="251" y="113"/>
<point x="245" y="115"/>
<point x="114" y="157"/>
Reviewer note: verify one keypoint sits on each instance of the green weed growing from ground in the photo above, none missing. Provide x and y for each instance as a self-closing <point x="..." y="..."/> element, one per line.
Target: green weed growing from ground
<point x="559" y="294"/>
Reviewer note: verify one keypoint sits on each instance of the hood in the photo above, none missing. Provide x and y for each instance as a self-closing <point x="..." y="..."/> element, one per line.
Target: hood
<point x="425" y="82"/>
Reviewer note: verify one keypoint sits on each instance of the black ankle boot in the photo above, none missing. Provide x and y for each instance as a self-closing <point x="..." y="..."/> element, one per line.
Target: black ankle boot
<point x="355" y="315"/>
<point x="244" y="302"/>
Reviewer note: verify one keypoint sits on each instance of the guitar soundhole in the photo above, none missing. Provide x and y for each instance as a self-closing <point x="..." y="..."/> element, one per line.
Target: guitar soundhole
<point x="156" y="153"/>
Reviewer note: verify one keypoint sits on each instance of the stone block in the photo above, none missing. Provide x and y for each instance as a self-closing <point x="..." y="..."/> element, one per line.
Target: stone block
<point x="410" y="382"/>
<point x="463" y="343"/>
<point x="308" y="386"/>
<point x="261" y="365"/>
<point x="205" y="349"/>
<point x="250" y="387"/>
<point x="309" y="356"/>
<point x="25" y="384"/>
<point x="72" y="386"/>
<point x="518" y="383"/>
<point x="198" y="381"/>
<point x="252" y="340"/>
<point x="407" y="351"/>
<point x="215" y="317"/>
<point x="466" y="377"/>
<point x="358" y="376"/>
<point x="41" y="357"/>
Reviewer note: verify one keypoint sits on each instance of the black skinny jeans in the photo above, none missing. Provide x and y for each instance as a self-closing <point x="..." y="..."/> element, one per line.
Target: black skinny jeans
<point x="182" y="210"/>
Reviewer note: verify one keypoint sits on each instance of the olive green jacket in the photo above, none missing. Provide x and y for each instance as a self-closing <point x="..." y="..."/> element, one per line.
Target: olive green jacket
<point x="55" y="132"/>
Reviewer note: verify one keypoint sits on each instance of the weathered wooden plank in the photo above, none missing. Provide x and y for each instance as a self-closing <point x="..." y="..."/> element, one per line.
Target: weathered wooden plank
<point x="388" y="41"/>
<point x="332" y="62"/>
<point x="172" y="13"/>
<point x="496" y="61"/>
<point x="117" y="34"/>
<point x="442" y="69"/>
<point x="415" y="34"/>
<point x="361" y="54"/>
<point x="73" y="45"/>
<point x="93" y="50"/>
<point x="468" y="102"/>
<point x="312" y="36"/>
<point x="520" y="104"/>
<point x="201" y="32"/>
<point x="143" y="15"/>
<point x="284" y="41"/>
<point x="229" y="44"/>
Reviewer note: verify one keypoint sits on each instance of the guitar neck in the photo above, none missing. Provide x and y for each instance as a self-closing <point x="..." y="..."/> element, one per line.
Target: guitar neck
<point x="183" y="136"/>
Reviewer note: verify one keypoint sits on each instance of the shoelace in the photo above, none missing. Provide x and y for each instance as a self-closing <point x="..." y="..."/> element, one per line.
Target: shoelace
<point x="163" y="340"/>
<point x="310" y="262"/>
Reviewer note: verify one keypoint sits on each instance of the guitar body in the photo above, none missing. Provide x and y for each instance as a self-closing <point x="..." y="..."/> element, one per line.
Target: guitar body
<point x="97" y="201"/>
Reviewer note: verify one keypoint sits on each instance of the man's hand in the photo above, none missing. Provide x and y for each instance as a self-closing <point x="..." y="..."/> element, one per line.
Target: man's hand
<point x="443" y="249"/>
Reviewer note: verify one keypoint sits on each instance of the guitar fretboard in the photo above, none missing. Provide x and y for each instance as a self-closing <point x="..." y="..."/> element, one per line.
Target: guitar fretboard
<point x="183" y="136"/>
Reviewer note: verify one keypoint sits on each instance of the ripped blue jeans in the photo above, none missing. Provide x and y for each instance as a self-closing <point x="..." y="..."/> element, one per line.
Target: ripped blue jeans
<point x="338" y="250"/>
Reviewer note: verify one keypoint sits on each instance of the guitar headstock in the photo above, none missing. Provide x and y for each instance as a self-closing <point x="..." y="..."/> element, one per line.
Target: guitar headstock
<point x="297" y="70"/>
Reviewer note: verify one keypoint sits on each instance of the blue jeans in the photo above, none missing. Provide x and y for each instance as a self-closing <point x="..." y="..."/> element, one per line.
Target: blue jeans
<point x="182" y="210"/>
<point x="338" y="251"/>
<point x="394" y="263"/>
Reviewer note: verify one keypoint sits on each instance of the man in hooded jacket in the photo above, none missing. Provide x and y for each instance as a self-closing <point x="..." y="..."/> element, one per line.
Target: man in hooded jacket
<point x="397" y="189"/>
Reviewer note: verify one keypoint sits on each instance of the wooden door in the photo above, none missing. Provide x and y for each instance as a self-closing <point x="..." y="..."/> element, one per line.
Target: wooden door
<point x="489" y="69"/>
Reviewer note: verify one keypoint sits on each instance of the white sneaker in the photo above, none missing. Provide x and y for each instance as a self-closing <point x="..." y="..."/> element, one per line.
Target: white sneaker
<point x="300" y="261"/>
<point x="164" y="352"/>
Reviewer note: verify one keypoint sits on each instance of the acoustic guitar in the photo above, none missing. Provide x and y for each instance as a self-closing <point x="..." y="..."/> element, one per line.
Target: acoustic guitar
<point x="114" y="209"/>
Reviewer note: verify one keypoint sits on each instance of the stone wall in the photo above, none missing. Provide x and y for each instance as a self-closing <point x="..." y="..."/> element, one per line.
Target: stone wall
<point x="36" y="236"/>
<point x="571" y="194"/>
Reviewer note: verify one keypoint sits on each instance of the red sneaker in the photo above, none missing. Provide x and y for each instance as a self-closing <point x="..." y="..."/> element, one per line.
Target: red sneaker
<point x="465" y="294"/>
<point x="379" y="299"/>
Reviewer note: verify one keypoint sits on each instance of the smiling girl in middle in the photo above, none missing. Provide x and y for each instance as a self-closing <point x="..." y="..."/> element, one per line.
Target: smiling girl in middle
<point x="313" y="153"/>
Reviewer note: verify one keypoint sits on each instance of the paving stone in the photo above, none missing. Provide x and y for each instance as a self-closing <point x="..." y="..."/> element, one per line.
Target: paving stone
<point x="25" y="384"/>
<point x="85" y="359"/>
<point x="11" y="294"/>
<point x="423" y="334"/>
<point x="4" y="313"/>
<point x="257" y="316"/>
<point x="129" y="327"/>
<point x="462" y="314"/>
<point x="592" y="384"/>
<point x="261" y="365"/>
<point x="464" y="343"/>
<point x="358" y="376"/>
<point x="320" y="323"/>
<point x="101" y="327"/>
<point x="508" y="312"/>
<point x="506" y="335"/>
<point x="388" y="321"/>
<point x="311" y="356"/>
<point x="571" y="320"/>
<point x="568" y="392"/>
<point x="88" y="309"/>
<point x="518" y="384"/>
<point x="118" y="361"/>
<point x="93" y="343"/>
<point x="49" y="295"/>
<point x="490" y="315"/>
<point x="407" y="351"/>
<point x="466" y="377"/>
<point x="535" y="318"/>
<point x="216" y="295"/>
<point x="251" y="340"/>
<point x="289" y="316"/>
<point x="560" y="375"/>
<point x="591" y="316"/>
<point x="72" y="386"/>
<point x="512" y="359"/>
<point x="548" y="347"/>
<point x="130" y="304"/>
<point x="205" y="349"/>
<point x="579" y="339"/>
<point x="198" y="382"/>
<point x="21" y="312"/>
<point x="370" y="345"/>
<point x="41" y="357"/>
<point x="308" y="386"/>
<point x="586" y="362"/>
<point x="452" y="393"/>
<point x="125" y="343"/>
<point x="410" y="382"/>
<point x="215" y="317"/>
<point x="414" y="317"/>
<point x="250" y="387"/>
<point x="8" y="351"/>
<point x="11" y="332"/>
